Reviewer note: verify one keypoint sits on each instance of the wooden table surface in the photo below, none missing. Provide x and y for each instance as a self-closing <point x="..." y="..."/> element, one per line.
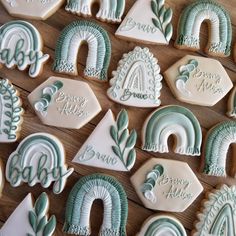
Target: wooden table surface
<point x="73" y="139"/>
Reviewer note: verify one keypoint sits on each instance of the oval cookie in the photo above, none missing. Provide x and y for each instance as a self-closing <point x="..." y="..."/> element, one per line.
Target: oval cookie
<point x="39" y="158"/>
<point x="81" y="198"/>
<point x="21" y="46"/>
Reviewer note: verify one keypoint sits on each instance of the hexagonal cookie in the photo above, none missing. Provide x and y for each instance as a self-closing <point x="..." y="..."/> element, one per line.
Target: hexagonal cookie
<point x="33" y="9"/>
<point x="64" y="103"/>
<point x="166" y="185"/>
<point x="198" y="80"/>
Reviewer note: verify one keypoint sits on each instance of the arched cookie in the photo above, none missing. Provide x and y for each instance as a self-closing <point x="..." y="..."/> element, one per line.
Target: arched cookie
<point x="39" y="158"/>
<point x="81" y="198"/>
<point x="162" y="225"/>
<point x="172" y="120"/>
<point x="218" y="140"/>
<point x="110" y="10"/>
<point x="190" y="22"/>
<point x="137" y="80"/>
<point x="99" y="49"/>
<point x="11" y="112"/>
<point x="232" y="104"/>
<point x="20" y="46"/>
<point x="217" y="216"/>
<point x="30" y="219"/>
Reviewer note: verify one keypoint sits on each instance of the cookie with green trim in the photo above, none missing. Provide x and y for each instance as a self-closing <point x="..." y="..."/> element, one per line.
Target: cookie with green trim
<point x="11" y="112"/>
<point x="218" y="19"/>
<point x="80" y="201"/>
<point x="99" y="50"/>
<point x="111" y="145"/>
<point x="153" y="27"/>
<point x="30" y="219"/>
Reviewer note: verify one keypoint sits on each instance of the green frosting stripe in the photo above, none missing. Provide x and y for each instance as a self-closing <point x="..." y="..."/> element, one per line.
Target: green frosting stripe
<point x="66" y="58"/>
<point x="218" y="141"/>
<point x="81" y="198"/>
<point x="189" y="19"/>
<point x="166" y="117"/>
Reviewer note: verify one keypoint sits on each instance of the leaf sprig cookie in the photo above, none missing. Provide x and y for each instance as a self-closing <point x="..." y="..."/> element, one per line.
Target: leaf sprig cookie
<point x="81" y="198"/>
<point x="218" y="18"/>
<point x="115" y="150"/>
<point x="30" y="219"/>
<point x="20" y="46"/>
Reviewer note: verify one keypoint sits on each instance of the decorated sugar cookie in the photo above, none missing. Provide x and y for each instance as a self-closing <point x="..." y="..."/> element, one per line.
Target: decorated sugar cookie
<point x="166" y="185"/>
<point x="218" y="140"/>
<point x="218" y="18"/>
<point x="217" y="216"/>
<point x="30" y="219"/>
<point x="39" y="158"/>
<point x="80" y="200"/>
<point x="33" y="9"/>
<point x="153" y="27"/>
<point x="115" y="150"/>
<point x="172" y="120"/>
<point x="110" y="11"/>
<point x="232" y="104"/>
<point x="72" y="102"/>
<point x="11" y="112"/>
<point x="20" y="46"/>
<point x="137" y="80"/>
<point x="69" y="42"/>
<point x="162" y="225"/>
<point x="198" y="80"/>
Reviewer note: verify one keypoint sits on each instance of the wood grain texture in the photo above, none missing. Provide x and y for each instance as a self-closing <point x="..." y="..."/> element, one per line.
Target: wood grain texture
<point x="73" y="139"/>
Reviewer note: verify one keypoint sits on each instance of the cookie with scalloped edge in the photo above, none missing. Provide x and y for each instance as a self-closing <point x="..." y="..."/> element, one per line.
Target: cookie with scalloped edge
<point x="217" y="215"/>
<point x="30" y="218"/>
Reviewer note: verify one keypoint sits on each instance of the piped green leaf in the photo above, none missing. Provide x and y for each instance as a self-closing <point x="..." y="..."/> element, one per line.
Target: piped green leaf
<point x="41" y="224"/>
<point x="168" y="16"/>
<point x="131" y="159"/>
<point x="123" y="136"/>
<point x="32" y="220"/>
<point x="132" y="139"/>
<point x="168" y="32"/>
<point x="117" y="151"/>
<point x="156" y="23"/>
<point x="50" y="227"/>
<point x="122" y="120"/>
<point x="41" y="204"/>
<point x="154" y="7"/>
<point x="161" y="13"/>
<point x="113" y="133"/>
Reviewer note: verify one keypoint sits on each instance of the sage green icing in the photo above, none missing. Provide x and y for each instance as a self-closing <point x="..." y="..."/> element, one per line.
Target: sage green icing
<point x="11" y="109"/>
<point x="218" y="214"/>
<point x="111" y="10"/>
<point x="38" y="219"/>
<point x="150" y="182"/>
<point x="120" y="135"/>
<point x="81" y="198"/>
<point x="165" y="117"/>
<point x="184" y="71"/>
<point x="187" y="23"/>
<point x="66" y="63"/>
<point x="47" y="95"/>
<point x="165" y="223"/>
<point x="218" y="141"/>
<point x="163" y="18"/>
<point x="20" y="169"/>
<point x="232" y="112"/>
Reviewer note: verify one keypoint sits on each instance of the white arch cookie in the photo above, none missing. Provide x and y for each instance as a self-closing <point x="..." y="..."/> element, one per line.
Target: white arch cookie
<point x="162" y="225"/>
<point x="166" y="185"/>
<point x="110" y="11"/>
<point x="198" y="80"/>
<point x="232" y="104"/>
<point x="193" y="16"/>
<point x="137" y="80"/>
<point x="72" y="102"/>
<point x="33" y="9"/>
<point x="217" y="215"/>
<point x="80" y="200"/>
<point x="30" y="218"/>
<point x="20" y="46"/>
<point x="39" y="158"/>
<point x="69" y="42"/>
<point x="217" y="143"/>
<point x="110" y="146"/>
<point x="153" y="27"/>
<point x="11" y="112"/>
<point x="172" y="120"/>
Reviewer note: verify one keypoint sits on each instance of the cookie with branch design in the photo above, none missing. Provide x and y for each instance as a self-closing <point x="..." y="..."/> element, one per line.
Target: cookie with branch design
<point x="115" y="150"/>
